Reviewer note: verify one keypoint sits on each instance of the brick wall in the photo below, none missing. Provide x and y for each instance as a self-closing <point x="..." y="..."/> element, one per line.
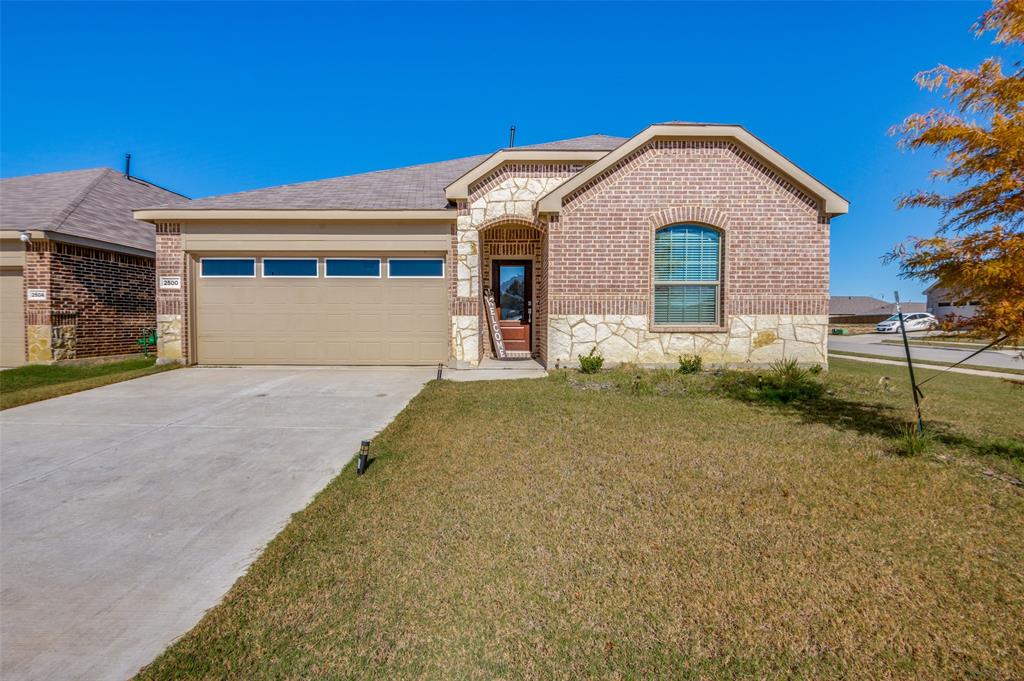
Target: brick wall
<point x="776" y="240"/>
<point x="107" y="297"/>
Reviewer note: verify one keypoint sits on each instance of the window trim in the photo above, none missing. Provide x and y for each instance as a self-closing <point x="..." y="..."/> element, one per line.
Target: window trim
<point x="718" y="325"/>
<point x="228" y="276"/>
<point x="440" y="276"/>
<point x="264" y="275"/>
<point x="380" y="269"/>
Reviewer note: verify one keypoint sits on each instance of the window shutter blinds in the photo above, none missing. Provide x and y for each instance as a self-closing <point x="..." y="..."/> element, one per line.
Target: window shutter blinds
<point x="685" y="255"/>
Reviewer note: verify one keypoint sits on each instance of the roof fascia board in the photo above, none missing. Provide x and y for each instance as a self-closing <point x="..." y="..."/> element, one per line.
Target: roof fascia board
<point x="180" y="214"/>
<point x="834" y="203"/>
<point x="459" y="189"/>
<point x="95" y="243"/>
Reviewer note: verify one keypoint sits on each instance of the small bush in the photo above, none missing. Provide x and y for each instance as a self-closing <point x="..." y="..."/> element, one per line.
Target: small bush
<point x="591" y="363"/>
<point x="910" y="442"/>
<point x="690" y="364"/>
<point x="815" y="370"/>
<point x="784" y="382"/>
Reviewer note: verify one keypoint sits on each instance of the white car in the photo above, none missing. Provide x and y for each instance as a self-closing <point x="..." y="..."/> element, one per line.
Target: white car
<point x="916" y="321"/>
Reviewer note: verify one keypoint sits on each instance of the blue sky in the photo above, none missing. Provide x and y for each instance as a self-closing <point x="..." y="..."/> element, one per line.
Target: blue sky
<point x="214" y="98"/>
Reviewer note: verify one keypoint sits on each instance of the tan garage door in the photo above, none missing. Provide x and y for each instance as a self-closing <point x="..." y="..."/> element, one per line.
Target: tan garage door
<point x="12" y="318"/>
<point x="262" y="320"/>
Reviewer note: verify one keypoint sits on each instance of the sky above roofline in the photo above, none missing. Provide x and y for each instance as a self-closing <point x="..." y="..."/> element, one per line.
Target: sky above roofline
<point x="353" y="88"/>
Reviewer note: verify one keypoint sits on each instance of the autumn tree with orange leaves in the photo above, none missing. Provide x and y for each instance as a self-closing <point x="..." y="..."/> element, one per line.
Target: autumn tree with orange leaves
<point x="978" y="250"/>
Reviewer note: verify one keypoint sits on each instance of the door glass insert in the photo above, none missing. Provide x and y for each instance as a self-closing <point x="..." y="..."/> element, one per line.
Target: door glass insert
<point x="512" y="291"/>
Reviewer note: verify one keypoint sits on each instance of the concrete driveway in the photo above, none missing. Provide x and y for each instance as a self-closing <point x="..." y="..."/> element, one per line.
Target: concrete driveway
<point x="129" y="510"/>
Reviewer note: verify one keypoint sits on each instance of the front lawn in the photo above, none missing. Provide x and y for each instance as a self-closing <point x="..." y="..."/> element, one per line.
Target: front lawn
<point x="648" y="525"/>
<point x="41" y="382"/>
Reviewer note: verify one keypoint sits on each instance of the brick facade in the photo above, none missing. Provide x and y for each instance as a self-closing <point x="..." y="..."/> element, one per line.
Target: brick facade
<point x="593" y="259"/>
<point x="776" y="239"/>
<point x="98" y="302"/>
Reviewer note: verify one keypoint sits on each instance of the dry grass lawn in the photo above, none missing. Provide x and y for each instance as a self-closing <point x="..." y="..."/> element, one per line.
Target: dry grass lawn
<point x="636" y="526"/>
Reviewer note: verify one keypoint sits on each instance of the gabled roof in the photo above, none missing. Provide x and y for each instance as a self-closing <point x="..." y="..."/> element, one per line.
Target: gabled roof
<point x="93" y="204"/>
<point x="867" y="306"/>
<point x="833" y="203"/>
<point x="427" y="191"/>
<point x="411" y="188"/>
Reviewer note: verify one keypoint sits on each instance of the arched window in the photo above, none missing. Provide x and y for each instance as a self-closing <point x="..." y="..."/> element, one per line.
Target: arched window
<point x="687" y="275"/>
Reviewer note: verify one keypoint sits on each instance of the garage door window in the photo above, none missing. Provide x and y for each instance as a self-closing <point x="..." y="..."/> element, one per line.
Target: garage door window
<point x="353" y="268"/>
<point x="227" y="267"/>
<point x="290" y="267"/>
<point x="416" y="268"/>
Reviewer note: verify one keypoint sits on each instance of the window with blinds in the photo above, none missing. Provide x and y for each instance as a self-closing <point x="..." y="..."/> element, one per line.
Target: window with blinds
<point x="686" y="275"/>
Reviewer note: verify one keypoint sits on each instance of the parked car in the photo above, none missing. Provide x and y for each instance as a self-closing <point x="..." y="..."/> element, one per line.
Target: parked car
<point x="918" y="321"/>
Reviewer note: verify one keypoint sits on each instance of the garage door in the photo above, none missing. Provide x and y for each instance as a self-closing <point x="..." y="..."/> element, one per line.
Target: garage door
<point x="12" y="318"/>
<point x="343" y="310"/>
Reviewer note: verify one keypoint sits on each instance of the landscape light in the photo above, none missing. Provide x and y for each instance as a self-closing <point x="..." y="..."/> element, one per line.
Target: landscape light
<point x="364" y="454"/>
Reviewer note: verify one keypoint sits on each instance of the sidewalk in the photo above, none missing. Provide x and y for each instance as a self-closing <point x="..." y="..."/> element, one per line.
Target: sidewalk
<point x="935" y="367"/>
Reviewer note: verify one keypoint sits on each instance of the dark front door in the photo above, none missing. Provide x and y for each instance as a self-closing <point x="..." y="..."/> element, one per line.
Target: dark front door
<point x="512" y="282"/>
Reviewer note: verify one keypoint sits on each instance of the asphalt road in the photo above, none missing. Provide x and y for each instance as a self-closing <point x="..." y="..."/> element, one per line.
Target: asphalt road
<point x="871" y="344"/>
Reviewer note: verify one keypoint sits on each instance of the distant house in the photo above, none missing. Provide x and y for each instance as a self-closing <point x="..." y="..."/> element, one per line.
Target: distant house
<point x="942" y="303"/>
<point x="76" y="270"/>
<point x="865" y="309"/>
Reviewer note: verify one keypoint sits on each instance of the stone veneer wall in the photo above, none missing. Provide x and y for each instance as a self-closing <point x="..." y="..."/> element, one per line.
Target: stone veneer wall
<point x="507" y="196"/>
<point x="98" y="301"/>
<point x="755" y="340"/>
<point x="775" y="265"/>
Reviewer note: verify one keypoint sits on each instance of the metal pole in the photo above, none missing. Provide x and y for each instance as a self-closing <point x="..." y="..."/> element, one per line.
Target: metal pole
<point x="910" y="366"/>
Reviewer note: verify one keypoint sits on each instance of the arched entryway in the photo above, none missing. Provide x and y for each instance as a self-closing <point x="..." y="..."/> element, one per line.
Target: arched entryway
<point x="514" y="268"/>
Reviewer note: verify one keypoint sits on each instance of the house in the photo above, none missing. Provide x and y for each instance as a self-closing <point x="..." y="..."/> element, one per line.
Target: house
<point x="865" y="309"/>
<point x="942" y="303"/>
<point x="685" y="238"/>
<point x="76" y="271"/>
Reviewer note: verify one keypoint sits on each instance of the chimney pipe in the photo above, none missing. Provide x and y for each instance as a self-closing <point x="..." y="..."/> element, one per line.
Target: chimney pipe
<point x="512" y="137"/>
<point x="127" y="165"/>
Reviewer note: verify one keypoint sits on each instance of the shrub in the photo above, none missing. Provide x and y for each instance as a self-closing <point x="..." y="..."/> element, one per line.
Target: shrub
<point x="910" y="442"/>
<point x="690" y="364"/>
<point x="591" y="363"/>
<point x="784" y="382"/>
<point x="787" y="381"/>
<point x="815" y="370"/>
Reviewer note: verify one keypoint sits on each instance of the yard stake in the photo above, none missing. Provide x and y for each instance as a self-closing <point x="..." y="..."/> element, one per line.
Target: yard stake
<point x="910" y="366"/>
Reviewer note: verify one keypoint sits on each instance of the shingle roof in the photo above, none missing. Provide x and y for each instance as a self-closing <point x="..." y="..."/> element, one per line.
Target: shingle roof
<point x="93" y="204"/>
<point x="419" y="187"/>
<point x="588" y="143"/>
<point x="867" y="306"/>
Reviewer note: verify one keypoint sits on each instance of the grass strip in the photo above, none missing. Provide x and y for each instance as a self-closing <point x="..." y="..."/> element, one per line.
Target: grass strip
<point x="36" y="382"/>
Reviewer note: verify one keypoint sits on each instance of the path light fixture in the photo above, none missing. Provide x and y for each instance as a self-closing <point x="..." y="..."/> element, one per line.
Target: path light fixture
<point x="364" y="455"/>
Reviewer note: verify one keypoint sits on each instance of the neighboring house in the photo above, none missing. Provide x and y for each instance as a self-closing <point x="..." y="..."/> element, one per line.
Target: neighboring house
<point x="686" y="238"/>
<point x="942" y="303"/>
<point x="865" y="309"/>
<point x="77" y="272"/>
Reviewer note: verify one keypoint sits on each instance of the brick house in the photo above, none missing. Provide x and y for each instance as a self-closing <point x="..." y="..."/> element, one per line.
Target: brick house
<point x="684" y="239"/>
<point x="76" y="271"/>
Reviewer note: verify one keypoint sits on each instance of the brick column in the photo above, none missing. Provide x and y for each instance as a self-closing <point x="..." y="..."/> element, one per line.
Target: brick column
<point x="38" y="329"/>
<point x="171" y="308"/>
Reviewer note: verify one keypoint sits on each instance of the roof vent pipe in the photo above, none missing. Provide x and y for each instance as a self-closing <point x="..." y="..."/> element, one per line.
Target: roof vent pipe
<point x="127" y="165"/>
<point x="512" y="137"/>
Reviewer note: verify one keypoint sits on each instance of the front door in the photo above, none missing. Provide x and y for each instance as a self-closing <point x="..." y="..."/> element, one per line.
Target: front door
<point x="512" y="282"/>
